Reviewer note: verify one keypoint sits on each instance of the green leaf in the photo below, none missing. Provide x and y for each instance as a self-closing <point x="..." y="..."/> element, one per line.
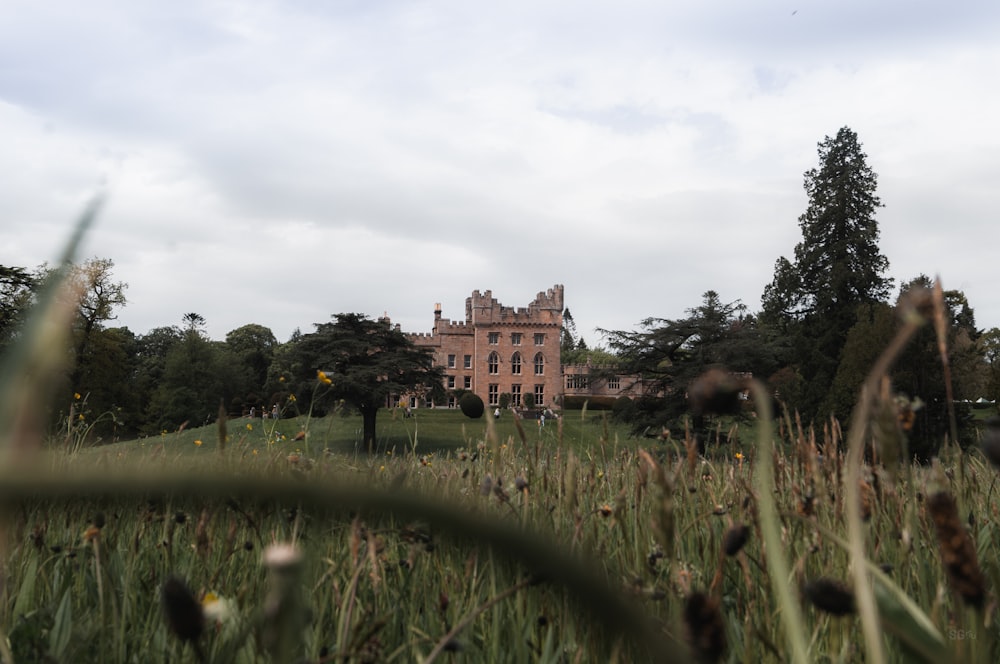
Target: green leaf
<point x="901" y="617"/>
<point x="62" y="630"/>
<point x="25" y="595"/>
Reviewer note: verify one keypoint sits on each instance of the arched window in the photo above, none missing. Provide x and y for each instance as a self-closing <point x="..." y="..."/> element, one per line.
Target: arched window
<point x="493" y="362"/>
<point x="539" y="364"/>
<point x="515" y="364"/>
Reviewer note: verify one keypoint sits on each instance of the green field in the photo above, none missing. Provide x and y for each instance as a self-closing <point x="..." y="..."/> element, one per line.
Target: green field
<point x="463" y="542"/>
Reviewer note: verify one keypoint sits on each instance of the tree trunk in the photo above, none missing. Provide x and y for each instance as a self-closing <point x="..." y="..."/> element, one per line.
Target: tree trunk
<point x="368" y="417"/>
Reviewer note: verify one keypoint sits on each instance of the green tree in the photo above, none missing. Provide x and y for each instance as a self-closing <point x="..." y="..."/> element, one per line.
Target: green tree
<point x="990" y="347"/>
<point x="568" y="338"/>
<point x="865" y="342"/>
<point x="669" y="354"/>
<point x="97" y="296"/>
<point x="815" y="300"/>
<point x="107" y="380"/>
<point x="17" y="291"/>
<point x="152" y="350"/>
<point x="253" y="346"/>
<point x="919" y="373"/>
<point x="367" y="361"/>
<point x="198" y="374"/>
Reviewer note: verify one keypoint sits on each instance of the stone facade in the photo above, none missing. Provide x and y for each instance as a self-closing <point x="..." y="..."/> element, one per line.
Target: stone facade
<point x="584" y="380"/>
<point x="498" y="349"/>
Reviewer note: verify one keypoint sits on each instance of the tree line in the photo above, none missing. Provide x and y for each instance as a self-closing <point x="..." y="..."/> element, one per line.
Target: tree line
<point x="826" y="315"/>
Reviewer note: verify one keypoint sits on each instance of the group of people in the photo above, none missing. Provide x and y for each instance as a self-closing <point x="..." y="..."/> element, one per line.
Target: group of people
<point x="274" y="413"/>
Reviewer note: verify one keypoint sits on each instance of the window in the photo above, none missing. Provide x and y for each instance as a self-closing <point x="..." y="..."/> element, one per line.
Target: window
<point x="515" y="395"/>
<point x="494" y="395"/>
<point x="614" y="383"/>
<point x="467" y="382"/>
<point x="451" y="361"/>
<point x="451" y="382"/>
<point x="468" y="361"/>
<point x="540" y="395"/>
<point x="515" y="364"/>
<point x="494" y="338"/>
<point x="576" y="382"/>
<point x="493" y="363"/>
<point x="539" y="364"/>
<point x="539" y="339"/>
<point x="515" y="338"/>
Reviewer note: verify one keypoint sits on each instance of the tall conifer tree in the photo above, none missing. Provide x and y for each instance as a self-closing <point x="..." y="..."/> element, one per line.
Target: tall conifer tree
<point x="814" y="300"/>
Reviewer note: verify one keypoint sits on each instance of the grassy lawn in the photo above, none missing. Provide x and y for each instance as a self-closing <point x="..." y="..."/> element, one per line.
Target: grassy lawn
<point x="429" y="431"/>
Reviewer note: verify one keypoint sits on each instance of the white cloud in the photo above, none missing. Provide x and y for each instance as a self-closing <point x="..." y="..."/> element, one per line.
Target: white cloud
<point x="279" y="162"/>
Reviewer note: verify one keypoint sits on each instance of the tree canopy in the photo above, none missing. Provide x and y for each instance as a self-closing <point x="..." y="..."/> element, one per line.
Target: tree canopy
<point x="367" y="362"/>
<point x="838" y="268"/>
<point x="670" y="354"/>
<point x="17" y="289"/>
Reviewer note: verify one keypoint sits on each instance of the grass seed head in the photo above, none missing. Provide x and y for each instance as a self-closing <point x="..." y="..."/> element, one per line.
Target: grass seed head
<point x="958" y="551"/>
<point x="830" y="596"/>
<point x="715" y="392"/>
<point x="735" y="539"/>
<point x="706" y="630"/>
<point x="185" y="614"/>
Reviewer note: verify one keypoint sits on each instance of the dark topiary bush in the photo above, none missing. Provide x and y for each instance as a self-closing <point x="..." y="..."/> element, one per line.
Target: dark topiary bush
<point x="622" y="409"/>
<point x="592" y="402"/>
<point x="471" y="405"/>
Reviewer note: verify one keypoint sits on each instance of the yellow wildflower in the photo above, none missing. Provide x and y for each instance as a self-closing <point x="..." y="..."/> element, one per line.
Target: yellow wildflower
<point x="76" y="395"/>
<point x="322" y="377"/>
<point x="281" y="379"/>
<point x="81" y="417"/>
<point x="249" y="427"/>
<point x="739" y="456"/>
<point x="198" y="442"/>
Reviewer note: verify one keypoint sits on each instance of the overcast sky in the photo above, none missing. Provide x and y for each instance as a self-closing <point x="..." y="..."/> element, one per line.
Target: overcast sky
<point x="278" y="162"/>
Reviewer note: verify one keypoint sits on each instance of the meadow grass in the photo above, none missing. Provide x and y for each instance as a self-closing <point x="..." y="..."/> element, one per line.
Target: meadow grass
<point x="87" y="557"/>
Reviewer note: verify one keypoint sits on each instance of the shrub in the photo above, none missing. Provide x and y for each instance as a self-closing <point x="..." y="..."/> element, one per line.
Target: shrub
<point x="529" y="400"/>
<point x="593" y="402"/>
<point x="622" y="408"/>
<point x="471" y="405"/>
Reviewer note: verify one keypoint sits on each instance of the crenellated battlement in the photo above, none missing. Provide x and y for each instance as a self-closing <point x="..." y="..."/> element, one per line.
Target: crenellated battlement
<point x="545" y="309"/>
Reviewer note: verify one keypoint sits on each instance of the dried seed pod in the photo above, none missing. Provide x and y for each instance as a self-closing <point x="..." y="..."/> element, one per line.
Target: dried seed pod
<point x="958" y="552"/>
<point x="829" y="595"/>
<point x="706" y="630"/>
<point x="184" y="612"/>
<point x="715" y="392"/>
<point x="735" y="538"/>
<point x="867" y="500"/>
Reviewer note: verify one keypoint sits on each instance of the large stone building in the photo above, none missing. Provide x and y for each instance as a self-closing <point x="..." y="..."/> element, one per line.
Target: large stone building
<point x="501" y="350"/>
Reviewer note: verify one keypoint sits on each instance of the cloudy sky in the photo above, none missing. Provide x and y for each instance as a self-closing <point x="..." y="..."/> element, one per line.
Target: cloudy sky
<point x="276" y="162"/>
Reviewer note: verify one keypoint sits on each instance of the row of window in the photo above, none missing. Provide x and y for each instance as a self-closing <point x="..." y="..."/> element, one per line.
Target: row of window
<point x="515" y="338"/>
<point x="466" y="361"/>
<point x="493" y="394"/>
<point x="582" y="382"/>
<point x="493" y="363"/>
<point x="466" y="382"/>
